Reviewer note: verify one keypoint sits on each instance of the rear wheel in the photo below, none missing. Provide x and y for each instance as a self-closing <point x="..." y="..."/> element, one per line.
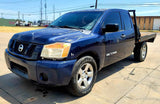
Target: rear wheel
<point x="84" y="76"/>
<point x="140" y="52"/>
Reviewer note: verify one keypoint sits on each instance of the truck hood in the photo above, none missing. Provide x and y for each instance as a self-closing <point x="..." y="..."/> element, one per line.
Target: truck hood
<point x="51" y="35"/>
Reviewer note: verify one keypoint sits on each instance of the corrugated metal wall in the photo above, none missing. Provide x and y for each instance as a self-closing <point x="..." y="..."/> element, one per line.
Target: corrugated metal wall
<point x="156" y="24"/>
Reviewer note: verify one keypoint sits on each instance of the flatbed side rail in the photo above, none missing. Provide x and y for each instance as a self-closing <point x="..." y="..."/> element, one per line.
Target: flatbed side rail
<point x="150" y="37"/>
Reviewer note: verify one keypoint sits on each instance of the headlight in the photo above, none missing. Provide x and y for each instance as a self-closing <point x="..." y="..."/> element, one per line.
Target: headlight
<point x="56" y="50"/>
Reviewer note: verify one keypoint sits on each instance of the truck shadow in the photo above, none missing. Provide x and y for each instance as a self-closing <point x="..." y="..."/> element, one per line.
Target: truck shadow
<point x="111" y="69"/>
<point x="17" y="90"/>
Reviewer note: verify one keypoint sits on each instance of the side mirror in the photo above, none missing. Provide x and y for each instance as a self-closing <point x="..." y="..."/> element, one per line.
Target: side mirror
<point x="110" y="28"/>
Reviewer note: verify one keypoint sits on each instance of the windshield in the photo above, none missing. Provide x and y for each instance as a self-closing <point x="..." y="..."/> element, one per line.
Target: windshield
<point x="79" y="20"/>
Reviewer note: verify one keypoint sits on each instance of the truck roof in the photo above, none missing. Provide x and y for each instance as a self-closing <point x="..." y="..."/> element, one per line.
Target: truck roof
<point x="103" y="10"/>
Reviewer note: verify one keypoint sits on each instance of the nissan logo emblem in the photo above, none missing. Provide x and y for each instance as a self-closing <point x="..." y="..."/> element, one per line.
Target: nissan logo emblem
<point x="20" y="48"/>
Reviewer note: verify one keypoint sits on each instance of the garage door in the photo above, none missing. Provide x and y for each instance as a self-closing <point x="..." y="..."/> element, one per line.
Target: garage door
<point x="156" y="24"/>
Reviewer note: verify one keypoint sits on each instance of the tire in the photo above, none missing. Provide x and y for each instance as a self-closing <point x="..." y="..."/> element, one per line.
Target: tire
<point x="83" y="77"/>
<point x="140" y="52"/>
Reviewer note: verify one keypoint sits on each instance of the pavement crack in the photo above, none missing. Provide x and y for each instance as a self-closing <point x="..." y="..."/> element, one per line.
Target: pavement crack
<point x="131" y="73"/>
<point x="146" y="94"/>
<point x="136" y="84"/>
<point x="11" y="96"/>
<point x="142" y="67"/>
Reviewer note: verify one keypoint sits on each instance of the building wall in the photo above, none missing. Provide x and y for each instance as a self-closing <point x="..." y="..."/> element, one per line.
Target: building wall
<point x="148" y="22"/>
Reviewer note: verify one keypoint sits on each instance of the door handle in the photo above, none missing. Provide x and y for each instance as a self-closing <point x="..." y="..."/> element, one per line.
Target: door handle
<point x="123" y="36"/>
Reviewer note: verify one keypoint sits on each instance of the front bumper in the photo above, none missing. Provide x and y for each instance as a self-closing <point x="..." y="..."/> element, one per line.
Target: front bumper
<point x="58" y="73"/>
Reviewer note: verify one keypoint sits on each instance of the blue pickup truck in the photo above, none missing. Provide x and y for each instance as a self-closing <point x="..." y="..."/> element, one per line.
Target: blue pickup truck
<point x="75" y="47"/>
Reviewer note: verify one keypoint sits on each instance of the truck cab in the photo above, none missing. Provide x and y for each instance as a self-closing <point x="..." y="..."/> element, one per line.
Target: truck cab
<point x="75" y="47"/>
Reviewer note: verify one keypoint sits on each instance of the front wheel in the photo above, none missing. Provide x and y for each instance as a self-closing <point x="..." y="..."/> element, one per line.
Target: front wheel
<point x="84" y="76"/>
<point x="140" y="52"/>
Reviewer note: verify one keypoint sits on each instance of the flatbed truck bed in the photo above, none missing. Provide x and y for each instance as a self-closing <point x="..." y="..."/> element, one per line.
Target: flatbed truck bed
<point x="147" y="37"/>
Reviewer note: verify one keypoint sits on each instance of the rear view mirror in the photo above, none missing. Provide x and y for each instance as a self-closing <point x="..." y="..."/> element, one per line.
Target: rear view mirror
<point x="110" y="28"/>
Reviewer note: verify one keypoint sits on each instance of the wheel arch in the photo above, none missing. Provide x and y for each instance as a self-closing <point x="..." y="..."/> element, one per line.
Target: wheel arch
<point x="92" y="54"/>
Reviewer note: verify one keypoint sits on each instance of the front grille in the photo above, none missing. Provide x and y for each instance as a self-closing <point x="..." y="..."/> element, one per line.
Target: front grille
<point x="29" y="51"/>
<point x="17" y="44"/>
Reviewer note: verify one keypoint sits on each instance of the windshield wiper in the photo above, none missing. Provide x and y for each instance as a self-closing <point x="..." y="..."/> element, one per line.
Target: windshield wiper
<point x="65" y="26"/>
<point x="79" y="28"/>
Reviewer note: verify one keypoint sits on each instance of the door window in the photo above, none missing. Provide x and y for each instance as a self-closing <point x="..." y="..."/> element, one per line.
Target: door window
<point x="127" y="20"/>
<point x="113" y="18"/>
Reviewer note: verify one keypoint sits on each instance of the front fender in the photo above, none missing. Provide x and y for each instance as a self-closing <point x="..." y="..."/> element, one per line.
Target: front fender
<point x="96" y="50"/>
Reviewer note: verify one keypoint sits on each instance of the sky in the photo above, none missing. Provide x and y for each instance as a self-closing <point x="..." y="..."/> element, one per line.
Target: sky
<point x="30" y="9"/>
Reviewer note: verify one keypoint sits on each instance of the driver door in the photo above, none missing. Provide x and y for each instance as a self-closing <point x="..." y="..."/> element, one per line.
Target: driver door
<point x="114" y="41"/>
